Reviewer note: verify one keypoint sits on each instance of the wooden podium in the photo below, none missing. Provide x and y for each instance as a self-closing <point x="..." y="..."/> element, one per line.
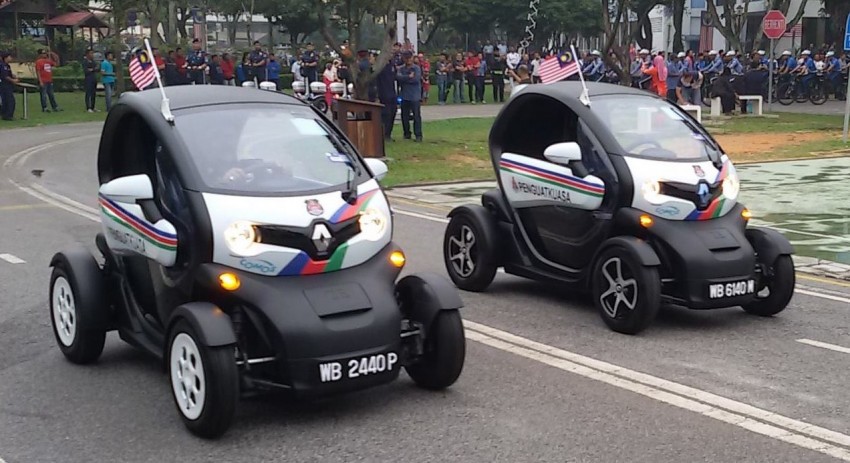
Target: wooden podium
<point x="361" y="122"/>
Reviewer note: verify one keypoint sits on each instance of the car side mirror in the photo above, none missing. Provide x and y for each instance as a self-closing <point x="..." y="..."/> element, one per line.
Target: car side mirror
<point x="130" y="189"/>
<point x="378" y="168"/>
<point x="563" y="153"/>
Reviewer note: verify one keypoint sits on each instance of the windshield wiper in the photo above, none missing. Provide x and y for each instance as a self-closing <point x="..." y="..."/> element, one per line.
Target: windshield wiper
<point x="349" y="195"/>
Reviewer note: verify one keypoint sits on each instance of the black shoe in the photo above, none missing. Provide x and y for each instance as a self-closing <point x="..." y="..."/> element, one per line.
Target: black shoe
<point x="407" y="137"/>
<point x="8" y="118"/>
<point x="418" y="139"/>
<point x="45" y="110"/>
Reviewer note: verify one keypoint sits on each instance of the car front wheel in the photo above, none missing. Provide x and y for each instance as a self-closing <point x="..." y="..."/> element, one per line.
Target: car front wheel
<point x="445" y="352"/>
<point x="626" y="293"/>
<point x="777" y="291"/>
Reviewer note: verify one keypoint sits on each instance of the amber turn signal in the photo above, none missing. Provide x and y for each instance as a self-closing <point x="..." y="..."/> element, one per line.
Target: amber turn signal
<point x="645" y="220"/>
<point x="746" y="214"/>
<point x="229" y="281"/>
<point x="397" y="258"/>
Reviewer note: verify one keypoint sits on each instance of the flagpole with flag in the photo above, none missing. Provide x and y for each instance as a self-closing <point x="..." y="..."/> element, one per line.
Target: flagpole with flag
<point x="585" y="96"/>
<point x="165" y="107"/>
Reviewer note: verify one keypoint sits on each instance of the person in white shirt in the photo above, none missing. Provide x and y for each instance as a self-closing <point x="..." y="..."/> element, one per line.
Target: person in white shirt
<point x="512" y="60"/>
<point x="535" y="68"/>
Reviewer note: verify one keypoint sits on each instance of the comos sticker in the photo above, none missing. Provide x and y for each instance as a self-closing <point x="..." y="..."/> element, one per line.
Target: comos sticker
<point x="337" y="157"/>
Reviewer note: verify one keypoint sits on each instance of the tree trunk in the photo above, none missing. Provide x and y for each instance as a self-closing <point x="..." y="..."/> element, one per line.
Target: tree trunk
<point x="678" y="13"/>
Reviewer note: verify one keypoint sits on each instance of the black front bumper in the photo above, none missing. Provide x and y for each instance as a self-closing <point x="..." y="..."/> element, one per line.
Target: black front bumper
<point x="700" y="259"/>
<point x="307" y="321"/>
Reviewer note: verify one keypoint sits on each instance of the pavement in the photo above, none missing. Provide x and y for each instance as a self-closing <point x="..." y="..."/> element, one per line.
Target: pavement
<point x="544" y="379"/>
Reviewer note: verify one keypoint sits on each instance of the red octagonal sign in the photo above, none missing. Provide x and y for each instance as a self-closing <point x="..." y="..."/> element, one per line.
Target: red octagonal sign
<point x="774" y="24"/>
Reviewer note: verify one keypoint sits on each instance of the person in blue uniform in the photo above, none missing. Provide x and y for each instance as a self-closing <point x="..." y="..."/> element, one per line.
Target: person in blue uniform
<point x="833" y="73"/>
<point x="257" y="60"/>
<point x="273" y="71"/>
<point x="196" y="64"/>
<point x="309" y="64"/>
<point x="675" y="70"/>
<point x="7" y="87"/>
<point x="216" y="73"/>
<point x="388" y="97"/>
<point x="409" y="77"/>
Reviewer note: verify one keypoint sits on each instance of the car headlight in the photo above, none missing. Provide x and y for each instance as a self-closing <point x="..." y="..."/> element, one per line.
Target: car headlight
<point x="652" y="191"/>
<point x="731" y="187"/>
<point x="372" y="223"/>
<point x="240" y="236"/>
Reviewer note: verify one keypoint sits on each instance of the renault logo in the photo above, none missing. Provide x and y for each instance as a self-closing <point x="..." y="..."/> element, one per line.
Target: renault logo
<point x="704" y="194"/>
<point x="321" y="237"/>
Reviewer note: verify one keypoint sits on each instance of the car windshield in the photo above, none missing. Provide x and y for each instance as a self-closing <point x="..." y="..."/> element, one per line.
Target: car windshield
<point x="653" y="128"/>
<point x="265" y="149"/>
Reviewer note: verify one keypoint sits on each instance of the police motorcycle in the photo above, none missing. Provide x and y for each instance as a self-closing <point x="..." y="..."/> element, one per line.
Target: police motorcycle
<point x="314" y="97"/>
<point x="259" y="260"/>
<point x="621" y="194"/>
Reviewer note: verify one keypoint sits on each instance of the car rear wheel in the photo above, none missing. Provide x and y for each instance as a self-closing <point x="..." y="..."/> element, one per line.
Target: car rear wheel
<point x="204" y="382"/>
<point x="777" y="291"/>
<point x="75" y="308"/>
<point x="445" y="351"/>
<point x="626" y="293"/>
<point x="464" y="253"/>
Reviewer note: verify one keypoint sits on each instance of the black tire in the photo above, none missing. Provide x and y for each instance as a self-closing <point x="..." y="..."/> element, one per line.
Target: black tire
<point x="785" y="94"/>
<point x="445" y="352"/>
<point x="77" y="310"/>
<point x="780" y="287"/>
<point x="321" y="105"/>
<point x="219" y="382"/>
<point x="634" y="282"/>
<point x="817" y="94"/>
<point x="464" y="244"/>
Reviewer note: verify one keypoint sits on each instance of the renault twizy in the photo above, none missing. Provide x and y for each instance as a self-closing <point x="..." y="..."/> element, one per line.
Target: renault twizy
<point x="622" y="194"/>
<point x="248" y="246"/>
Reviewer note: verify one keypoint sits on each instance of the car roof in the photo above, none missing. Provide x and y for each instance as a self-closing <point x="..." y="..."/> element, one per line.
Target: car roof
<point x="187" y="96"/>
<point x="573" y="89"/>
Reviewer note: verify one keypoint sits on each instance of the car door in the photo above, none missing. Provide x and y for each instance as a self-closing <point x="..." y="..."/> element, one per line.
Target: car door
<point x="560" y="202"/>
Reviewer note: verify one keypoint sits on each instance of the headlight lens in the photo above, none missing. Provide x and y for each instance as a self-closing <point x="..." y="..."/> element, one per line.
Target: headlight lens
<point x="240" y="236"/>
<point x="652" y="191"/>
<point x="731" y="186"/>
<point x="372" y="223"/>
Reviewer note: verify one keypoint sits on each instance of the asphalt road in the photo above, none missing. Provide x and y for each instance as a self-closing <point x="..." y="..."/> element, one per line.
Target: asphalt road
<point x="545" y="380"/>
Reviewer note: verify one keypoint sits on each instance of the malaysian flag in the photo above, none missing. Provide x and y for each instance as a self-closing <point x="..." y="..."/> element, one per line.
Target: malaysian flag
<point x="141" y="70"/>
<point x="557" y="68"/>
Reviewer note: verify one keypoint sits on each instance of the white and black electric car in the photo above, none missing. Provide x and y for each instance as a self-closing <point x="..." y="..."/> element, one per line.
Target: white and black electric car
<point x="248" y="245"/>
<point x="623" y="194"/>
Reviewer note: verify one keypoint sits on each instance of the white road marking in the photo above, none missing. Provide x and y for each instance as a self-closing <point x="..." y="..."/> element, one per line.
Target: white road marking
<point x="60" y="205"/>
<point x="12" y="259"/>
<point x="825" y="345"/>
<point x="822" y="295"/>
<point x="21" y="156"/>
<point x="63" y="199"/>
<point x="739" y="414"/>
<point x="421" y="216"/>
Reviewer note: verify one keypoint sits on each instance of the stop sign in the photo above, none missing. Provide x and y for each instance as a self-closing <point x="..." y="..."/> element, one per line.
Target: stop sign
<point x="774" y="24"/>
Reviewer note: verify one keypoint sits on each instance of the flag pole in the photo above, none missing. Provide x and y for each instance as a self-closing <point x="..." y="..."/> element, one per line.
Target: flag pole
<point x="165" y="107"/>
<point x="585" y="97"/>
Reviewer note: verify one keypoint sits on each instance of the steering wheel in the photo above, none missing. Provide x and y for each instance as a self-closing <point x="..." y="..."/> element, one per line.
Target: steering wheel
<point x="651" y="143"/>
<point x="255" y="169"/>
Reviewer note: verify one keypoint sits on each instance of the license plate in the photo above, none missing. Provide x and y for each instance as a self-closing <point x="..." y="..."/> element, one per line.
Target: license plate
<point x="358" y="367"/>
<point x="732" y="289"/>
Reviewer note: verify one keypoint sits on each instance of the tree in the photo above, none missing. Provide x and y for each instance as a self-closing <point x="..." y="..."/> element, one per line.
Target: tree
<point x="783" y="6"/>
<point x="614" y="30"/>
<point x="297" y="17"/>
<point x="678" y="7"/>
<point x="349" y="15"/>
<point x="837" y="11"/>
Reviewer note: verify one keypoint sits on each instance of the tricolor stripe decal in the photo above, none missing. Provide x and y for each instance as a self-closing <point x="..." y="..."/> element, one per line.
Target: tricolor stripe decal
<point x="711" y="212"/>
<point x="121" y="216"/>
<point x="348" y="211"/>
<point x="302" y="264"/>
<point x="552" y="178"/>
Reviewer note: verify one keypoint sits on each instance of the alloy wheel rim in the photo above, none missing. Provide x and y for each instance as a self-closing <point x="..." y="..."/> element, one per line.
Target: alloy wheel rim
<point x="64" y="311"/>
<point x="622" y="290"/>
<point x="460" y="251"/>
<point x="187" y="376"/>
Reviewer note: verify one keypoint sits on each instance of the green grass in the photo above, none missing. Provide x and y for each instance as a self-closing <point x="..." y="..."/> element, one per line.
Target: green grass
<point x="454" y="149"/>
<point x="785" y="123"/>
<point x="72" y="103"/>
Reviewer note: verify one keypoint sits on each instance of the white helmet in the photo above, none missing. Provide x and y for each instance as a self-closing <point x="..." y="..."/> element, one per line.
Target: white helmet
<point x="712" y="52"/>
<point x="730" y="53"/>
<point x="761" y="52"/>
<point x="596" y="53"/>
<point x="806" y="52"/>
<point x="830" y="54"/>
<point x="786" y="53"/>
<point x="644" y="51"/>
<point x="681" y="54"/>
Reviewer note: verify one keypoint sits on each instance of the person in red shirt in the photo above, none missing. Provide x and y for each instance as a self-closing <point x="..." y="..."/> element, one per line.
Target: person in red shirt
<point x="44" y="70"/>
<point x="180" y="61"/>
<point x="472" y="64"/>
<point x="228" y="70"/>
<point x="425" y="65"/>
<point x="160" y="62"/>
